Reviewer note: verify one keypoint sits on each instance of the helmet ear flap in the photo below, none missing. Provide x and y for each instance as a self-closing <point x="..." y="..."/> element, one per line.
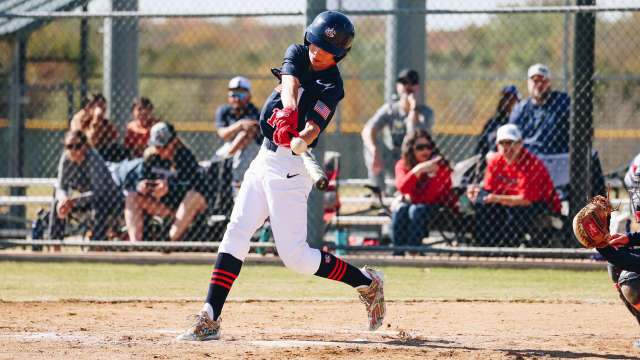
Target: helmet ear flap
<point x="306" y="42"/>
<point x="337" y="59"/>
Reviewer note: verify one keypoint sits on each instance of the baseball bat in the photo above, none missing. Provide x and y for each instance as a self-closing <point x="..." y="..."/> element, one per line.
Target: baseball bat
<point x="315" y="171"/>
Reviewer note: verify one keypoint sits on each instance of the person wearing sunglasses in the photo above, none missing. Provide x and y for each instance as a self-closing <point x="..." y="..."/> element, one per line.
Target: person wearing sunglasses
<point x="517" y="188"/>
<point x="395" y="120"/>
<point x="237" y="124"/>
<point x="172" y="187"/>
<point x="83" y="170"/>
<point x="423" y="175"/>
<point x="136" y="135"/>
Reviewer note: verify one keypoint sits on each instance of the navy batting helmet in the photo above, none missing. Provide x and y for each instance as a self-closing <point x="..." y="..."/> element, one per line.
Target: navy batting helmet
<point x="332" y="32"/>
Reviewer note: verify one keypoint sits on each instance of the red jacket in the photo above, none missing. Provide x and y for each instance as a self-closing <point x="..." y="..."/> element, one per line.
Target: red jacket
<point x="527" y="178"/>
<point x="425" y="189"/>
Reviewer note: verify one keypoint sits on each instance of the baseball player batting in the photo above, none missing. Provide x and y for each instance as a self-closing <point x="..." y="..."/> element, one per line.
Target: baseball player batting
<point x="277" y="184"/>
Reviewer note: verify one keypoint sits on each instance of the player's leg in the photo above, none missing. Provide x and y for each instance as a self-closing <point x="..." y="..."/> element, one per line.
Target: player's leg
<point x="287" y="200"/>
<point x="629" y="285"/>
<point x="249" y="212"/>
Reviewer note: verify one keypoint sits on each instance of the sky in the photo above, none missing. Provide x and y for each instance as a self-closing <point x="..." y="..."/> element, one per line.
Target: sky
<point x="440" y="22"/>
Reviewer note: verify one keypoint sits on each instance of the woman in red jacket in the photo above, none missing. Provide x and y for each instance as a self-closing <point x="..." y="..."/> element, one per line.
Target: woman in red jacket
<point x="423" y="176"/>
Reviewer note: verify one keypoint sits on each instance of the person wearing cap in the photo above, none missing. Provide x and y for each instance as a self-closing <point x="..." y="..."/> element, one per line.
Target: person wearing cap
<point x="517" y="188"/>
<point x="543" y="118"/>
<point x="395" y="120"/>
<point x="136" y="135"/>
<point x="237" y="124"/>
<point x="172" y="186"/>
<point x="509" y="97"/>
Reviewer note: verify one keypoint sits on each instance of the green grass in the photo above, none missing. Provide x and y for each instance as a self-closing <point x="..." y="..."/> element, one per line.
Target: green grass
<point x="41" y="281"/>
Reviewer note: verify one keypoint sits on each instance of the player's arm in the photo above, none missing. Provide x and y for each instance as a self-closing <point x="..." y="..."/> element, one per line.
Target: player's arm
<point x="627" y="261"/>
<point x="289" y="93"/>
<point x="310" y="132"/>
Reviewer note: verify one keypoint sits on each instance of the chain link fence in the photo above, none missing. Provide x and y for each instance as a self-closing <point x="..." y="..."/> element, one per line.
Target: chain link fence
<point x="473" y="76"/>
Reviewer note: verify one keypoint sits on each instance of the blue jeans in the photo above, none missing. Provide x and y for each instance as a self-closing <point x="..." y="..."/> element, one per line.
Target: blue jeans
<point x="409" y="224"/>
<point x="499" y="225"/>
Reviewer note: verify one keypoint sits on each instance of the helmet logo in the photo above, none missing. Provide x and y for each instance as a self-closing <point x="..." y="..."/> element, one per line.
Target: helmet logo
<point x="330" y="32"/>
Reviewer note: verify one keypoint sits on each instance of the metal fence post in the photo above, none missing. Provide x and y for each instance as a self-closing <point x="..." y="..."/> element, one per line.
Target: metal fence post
<point x="84" y="55"/>
<point x="581" y="126"/>
<point x="121" y="65"/>
<point x="16" y="118"/>
<point x="315" y="205"/>
<point x="406" y="44"/>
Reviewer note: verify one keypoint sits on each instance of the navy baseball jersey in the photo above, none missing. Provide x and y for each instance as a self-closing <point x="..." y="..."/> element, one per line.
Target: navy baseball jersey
<point x="318" y="95"/>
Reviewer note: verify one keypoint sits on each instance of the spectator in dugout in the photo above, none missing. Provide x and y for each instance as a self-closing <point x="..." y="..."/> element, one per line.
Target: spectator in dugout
<point x="172" y="186"/>
<point x="543" y="118"/>
<point x="423" y="175"/>
<point x="136" y="135"/>
<point x="237" y="124"/>
<point x="101" y="132"/>
<point x="82" y="169"/>
<point x="396" y="120"/>
<point x="517" y="188"/>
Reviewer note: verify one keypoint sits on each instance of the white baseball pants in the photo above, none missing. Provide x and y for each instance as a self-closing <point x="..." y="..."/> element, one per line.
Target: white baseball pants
<point x="278" y="185"/>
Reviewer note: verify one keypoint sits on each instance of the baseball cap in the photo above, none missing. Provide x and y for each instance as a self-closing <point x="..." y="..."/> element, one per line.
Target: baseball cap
<point x="511" y="90"/>
<point x="240" y="82"/>
<point x="410" y="74"/>
<point x="539" y="69"/>
<point x="508" y="132"/>
<point x="161" y="134"/>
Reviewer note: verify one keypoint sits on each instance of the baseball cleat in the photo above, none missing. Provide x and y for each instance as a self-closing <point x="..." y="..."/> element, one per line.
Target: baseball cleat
<point x="373" y="297"/>
<point x="636" y="344"/>
<point x="201" y="328"/>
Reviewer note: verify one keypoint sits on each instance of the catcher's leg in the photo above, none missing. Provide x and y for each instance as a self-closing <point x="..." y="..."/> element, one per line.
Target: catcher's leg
<point x="631" y="285"/>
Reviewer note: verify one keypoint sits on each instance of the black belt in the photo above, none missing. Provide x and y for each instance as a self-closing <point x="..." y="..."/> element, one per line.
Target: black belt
<point x="271" y="146"/>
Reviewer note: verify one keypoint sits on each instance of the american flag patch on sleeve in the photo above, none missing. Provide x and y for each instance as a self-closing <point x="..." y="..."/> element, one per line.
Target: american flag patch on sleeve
<point x="322" y="109"/>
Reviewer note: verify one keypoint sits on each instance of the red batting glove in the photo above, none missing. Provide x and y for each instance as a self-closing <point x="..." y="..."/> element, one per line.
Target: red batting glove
<point x="282" y="136"/>
<point x="284" y="117"/>
<point x="617" y="240"/>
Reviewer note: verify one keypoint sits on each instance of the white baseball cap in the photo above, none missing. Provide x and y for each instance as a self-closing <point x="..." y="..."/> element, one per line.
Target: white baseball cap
<point x="240" y="82"/>
<point x="539" y="69"/>
<point x="508" y="132"/>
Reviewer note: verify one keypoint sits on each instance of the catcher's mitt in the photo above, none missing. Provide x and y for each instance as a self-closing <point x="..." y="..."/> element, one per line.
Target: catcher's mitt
<point x="591" y="224"/>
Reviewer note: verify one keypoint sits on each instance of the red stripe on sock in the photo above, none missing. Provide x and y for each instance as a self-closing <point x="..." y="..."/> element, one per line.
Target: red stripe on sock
<point x="636" y="305"/>
<point x="222" y="284"/>
<point x="222" y="278"/>
<point x="339" y="269"/>
<point x="343" y="271"/>
<point x="225" y="272"/>
<point x="334" y="269"/>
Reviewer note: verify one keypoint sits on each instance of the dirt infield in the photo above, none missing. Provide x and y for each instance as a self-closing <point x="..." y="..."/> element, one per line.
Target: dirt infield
<point x="323" y="329"/>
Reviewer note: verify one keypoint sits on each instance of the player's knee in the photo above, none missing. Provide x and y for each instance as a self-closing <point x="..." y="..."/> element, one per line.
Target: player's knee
<point x="301" y="262"/>
<point x="629" y="283"/>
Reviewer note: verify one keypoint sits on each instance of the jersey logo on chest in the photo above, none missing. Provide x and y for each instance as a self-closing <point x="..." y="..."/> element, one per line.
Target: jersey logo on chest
<point x="326" y="86"/>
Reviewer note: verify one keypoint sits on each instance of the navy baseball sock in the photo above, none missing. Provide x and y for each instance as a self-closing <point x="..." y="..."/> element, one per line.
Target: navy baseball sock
<point x="335" y="269"/>
<point x="224" y="274"/>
